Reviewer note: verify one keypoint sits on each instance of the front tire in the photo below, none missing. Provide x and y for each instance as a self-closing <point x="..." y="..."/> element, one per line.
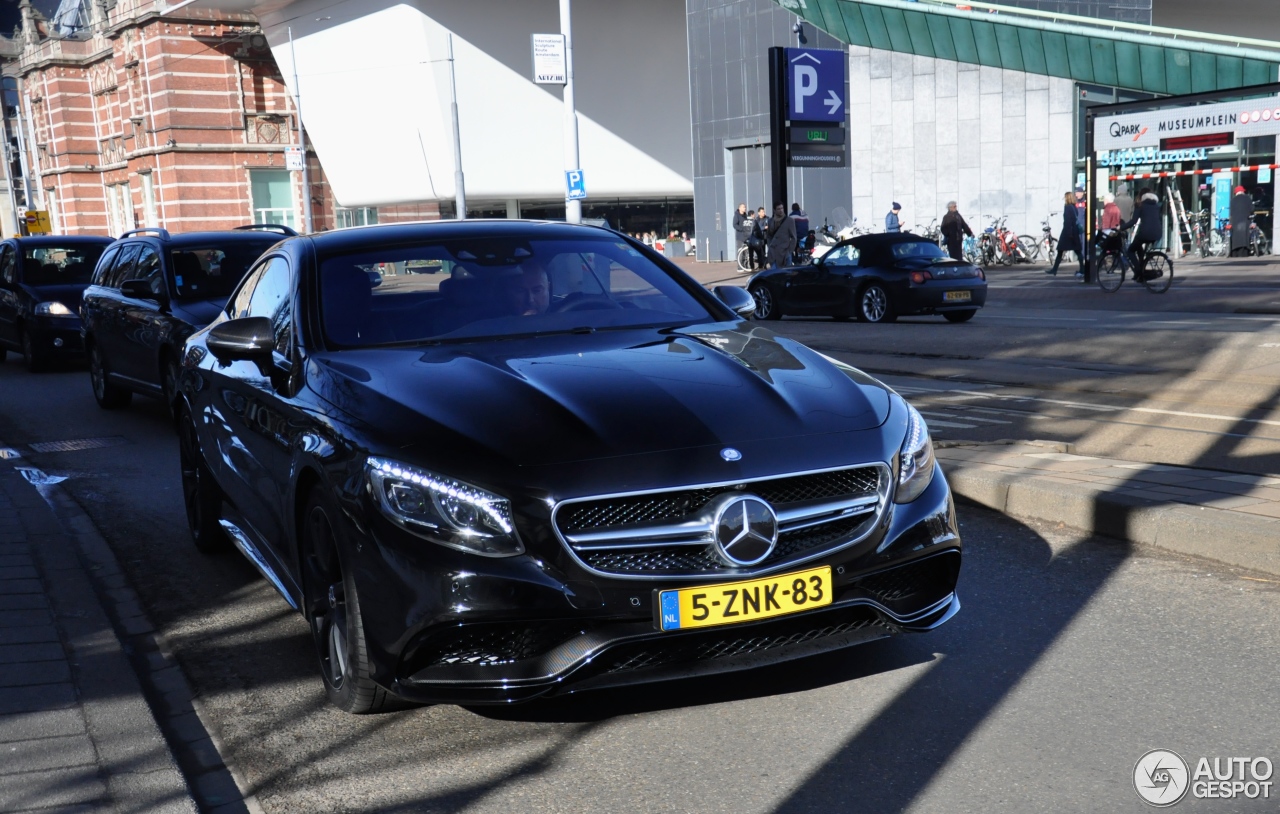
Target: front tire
<point x="169" y="373"/>
<point x="959" y="316"/>
<point x="874" y="305"/>
<point x="200" y="494"/>
<point x="108" y="395"/>
<point x="766" y="303"/>
<point x="333" y="612"/>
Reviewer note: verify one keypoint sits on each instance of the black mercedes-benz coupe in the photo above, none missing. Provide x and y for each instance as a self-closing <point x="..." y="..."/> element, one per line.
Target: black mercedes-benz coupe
<point x="495" y="460"/>
<point x="874" y="278"/>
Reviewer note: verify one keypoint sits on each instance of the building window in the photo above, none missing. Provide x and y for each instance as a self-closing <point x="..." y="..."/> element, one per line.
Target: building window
<point x="357" y="216"/>
<point x="149" y="200"/>
<point x="272" y="192"/>
<point x="119" y="208"/>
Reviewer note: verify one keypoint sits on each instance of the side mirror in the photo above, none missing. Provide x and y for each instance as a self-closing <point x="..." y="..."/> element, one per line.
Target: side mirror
<point x="248" y="338"/>
<point x="141" y="290"/>
<point x="739" y="299"/>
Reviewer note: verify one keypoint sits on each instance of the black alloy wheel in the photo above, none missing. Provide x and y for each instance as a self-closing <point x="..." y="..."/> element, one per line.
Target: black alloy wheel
<point x="766" y="305"/>
<point x="34" y="359"/>
<point x="200" y="494"/>
<point x="333" y="611"/>
<point x="108" y="395"/>
<point x="874" y="305"/>
<point x="960" y="316"/>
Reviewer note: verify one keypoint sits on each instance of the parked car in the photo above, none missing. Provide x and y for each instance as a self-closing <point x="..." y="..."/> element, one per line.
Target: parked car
<point x="151" y="290"/>
<point x="493" y="460"/>
<point x="41" y="280"/>
<point x="874" y="278"/>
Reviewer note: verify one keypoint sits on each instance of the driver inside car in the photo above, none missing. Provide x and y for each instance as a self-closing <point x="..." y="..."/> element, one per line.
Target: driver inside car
<point x="528" y="293"/>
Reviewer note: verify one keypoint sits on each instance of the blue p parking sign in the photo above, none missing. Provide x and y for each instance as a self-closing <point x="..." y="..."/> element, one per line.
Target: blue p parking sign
<point x="577" y="187"/>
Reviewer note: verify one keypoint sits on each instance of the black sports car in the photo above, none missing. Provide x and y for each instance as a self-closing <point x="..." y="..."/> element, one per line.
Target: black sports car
<point x="41" y="282"/>
<point x="492" y="460"/>
<point x="875" y="278"/>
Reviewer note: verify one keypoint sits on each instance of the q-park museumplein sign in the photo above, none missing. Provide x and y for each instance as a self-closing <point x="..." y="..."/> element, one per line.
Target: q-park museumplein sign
<point x="816" y="107"/>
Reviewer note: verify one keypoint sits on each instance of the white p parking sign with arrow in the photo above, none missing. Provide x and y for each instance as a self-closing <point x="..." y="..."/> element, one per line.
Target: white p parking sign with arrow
<point x="815" y="85"/>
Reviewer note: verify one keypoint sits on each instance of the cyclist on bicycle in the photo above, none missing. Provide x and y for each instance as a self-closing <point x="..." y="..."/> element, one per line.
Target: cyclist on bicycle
<point x="1150" y="229"/>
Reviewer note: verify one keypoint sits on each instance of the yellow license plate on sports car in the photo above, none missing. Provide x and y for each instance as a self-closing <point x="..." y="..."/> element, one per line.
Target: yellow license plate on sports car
<point x="733" y="602"/>
<point x="956" y="296"/>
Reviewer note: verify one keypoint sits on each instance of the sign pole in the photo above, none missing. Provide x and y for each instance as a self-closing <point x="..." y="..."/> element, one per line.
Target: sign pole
<point x="777" y="126"/>
<point x="1090" y="181"/>
<point x="459" y="182"/>
<point x="572" y="206"/>
<point x="302" y="138"/>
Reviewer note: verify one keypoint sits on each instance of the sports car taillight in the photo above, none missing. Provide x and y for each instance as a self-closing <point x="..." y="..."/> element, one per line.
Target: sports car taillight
<point x="918" y="277"/>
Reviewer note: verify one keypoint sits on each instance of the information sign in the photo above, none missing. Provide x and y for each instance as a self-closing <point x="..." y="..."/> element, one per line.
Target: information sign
<point x="549" y="66"/>
<point x="815" y="85"/>
<point x="577" y="187"/>
<point x="293" y="159"/>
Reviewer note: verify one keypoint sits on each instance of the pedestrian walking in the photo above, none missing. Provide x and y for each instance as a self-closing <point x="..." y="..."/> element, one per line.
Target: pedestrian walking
<point x="782" y="237"/>
<point x="741" y="226"/>
<point x="759" y="238"/>
<point x="1111" y="215"/>
<point x="801" y="219"/>
<point x="1241" y="213"/>
<point x="1124" y="200"/>
<point x="1081" y="214"/>
<point x="1069" y="239"/>
<point x="891" y="221"/>
<point x="954" y="229"/>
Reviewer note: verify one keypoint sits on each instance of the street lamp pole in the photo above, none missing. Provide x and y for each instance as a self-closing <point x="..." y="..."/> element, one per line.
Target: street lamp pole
<point x="302" y="138"/>
<point x="459" y="182"/>
<point x="572" y="208"/>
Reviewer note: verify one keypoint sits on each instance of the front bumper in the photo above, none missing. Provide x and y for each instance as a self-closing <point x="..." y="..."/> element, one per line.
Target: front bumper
<point x="57" y="336"/>
<point x="475" y="631"/>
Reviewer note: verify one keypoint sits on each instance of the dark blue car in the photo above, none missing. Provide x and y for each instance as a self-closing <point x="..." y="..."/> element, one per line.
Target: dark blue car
<point x="41" y="281"/>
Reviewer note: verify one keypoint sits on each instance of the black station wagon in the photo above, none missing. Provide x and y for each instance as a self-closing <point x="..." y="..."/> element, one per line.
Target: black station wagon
<point x="151" y="291"/>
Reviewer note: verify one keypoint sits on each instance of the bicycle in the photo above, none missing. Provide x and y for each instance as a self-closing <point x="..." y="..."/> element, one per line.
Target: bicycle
<point x="1155" y="272"/>
<point x="1258" y="243"/>
<point x="747" y="260"/>
<point x="1047" y="244"/>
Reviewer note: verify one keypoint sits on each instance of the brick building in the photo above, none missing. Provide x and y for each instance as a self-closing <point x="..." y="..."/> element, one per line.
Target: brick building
<point x="132" y="119"/>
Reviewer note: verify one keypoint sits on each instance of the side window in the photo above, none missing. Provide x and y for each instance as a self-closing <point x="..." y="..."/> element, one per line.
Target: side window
<point x="845" y="255"/>
<point x="270" y="299"/>
<point x="123" y="269"/>
<point x="147" y="267"/>
<point x="8" y="266"/>
<point x="238" y="306"/>
<point x="105" y="263"/>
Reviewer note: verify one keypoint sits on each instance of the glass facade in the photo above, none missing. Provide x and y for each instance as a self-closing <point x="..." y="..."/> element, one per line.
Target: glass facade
<point x="729" y="42"/>
<point x="1125" y="11"/>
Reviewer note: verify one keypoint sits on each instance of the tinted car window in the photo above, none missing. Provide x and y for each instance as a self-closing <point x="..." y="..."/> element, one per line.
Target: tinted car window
<point x="8" y="268"/>
<point x="846" y="255"/>
<point x="270" y="299"/>
<point x="495" y="286"/>
<point x="208" y="272"/>
<point x="59" y="265"/>
<point x="147" y="267"/>
<point x="123" y="267"/>
<point x="103" y="273"/>
<point x="917" y="248"/>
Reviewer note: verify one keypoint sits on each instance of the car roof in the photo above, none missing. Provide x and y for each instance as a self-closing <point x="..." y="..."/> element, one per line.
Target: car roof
<point x="62" y="240"/>
<point x="884" y="239"/>
<point x="357" y="237"/>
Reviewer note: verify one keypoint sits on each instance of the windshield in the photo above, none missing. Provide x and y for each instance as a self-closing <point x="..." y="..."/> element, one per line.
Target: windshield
<point x="60" y="265"/>
<point x="211" y="272"/>
<point x="492" y="287"/>
<point x="917" y="248"/>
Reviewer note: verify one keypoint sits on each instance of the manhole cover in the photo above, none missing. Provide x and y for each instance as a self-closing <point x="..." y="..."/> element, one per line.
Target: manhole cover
<point x="78" y="444"/>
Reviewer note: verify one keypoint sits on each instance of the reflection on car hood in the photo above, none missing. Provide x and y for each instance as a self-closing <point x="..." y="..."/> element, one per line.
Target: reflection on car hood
<point x="68" y="295"/>
<point x="560" y="399"/>
<point x="198" y="313"/>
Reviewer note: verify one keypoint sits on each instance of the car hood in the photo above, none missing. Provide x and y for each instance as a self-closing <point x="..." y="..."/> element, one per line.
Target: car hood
<point x="562" y="399"/>
<point x="198" y="313"/>
<point x="68" y="295"/>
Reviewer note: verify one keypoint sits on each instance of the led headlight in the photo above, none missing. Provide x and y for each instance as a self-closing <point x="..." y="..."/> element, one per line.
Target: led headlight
<point x="444" y="510"/>
<point x="915" y="468"/>
<point x="53" y="309"/>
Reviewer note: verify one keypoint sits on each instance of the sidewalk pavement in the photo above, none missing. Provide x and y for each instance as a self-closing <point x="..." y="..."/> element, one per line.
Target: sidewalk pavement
<point x="78" y="662"/>
<point x="1223" y="516"/>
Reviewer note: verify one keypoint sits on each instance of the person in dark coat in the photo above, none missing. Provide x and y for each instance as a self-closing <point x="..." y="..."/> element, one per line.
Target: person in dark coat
<point x="954" y="230"/>
<point x="1241" y="212"/>
<point x="742" y="225"/>
<point x="1069" y="238"/>
<point x="759" y="239"/>
<point x="1150" y="227"/>
<point x="782" y="237"/>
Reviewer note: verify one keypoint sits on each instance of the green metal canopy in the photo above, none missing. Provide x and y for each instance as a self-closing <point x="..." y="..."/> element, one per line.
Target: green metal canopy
<point x="1141" y="58"/>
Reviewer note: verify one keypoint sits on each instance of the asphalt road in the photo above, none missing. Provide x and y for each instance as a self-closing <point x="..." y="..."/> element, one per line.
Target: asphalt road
<point x="1072" y="657"/>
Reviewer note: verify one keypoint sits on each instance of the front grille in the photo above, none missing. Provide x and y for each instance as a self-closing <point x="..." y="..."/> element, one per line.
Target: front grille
<point x="726" y="645"/>
<point x="683" y="505"/>
<point x="492" y="645"/>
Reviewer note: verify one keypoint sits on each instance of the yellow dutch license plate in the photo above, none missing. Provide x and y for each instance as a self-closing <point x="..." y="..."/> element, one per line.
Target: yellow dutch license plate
<point x="956" y="296"/>
<point x="734" y="602"/>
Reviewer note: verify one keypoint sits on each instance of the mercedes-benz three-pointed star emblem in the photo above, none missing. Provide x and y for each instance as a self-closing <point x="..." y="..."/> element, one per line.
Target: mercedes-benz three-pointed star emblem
<point x="746" y="530"/>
